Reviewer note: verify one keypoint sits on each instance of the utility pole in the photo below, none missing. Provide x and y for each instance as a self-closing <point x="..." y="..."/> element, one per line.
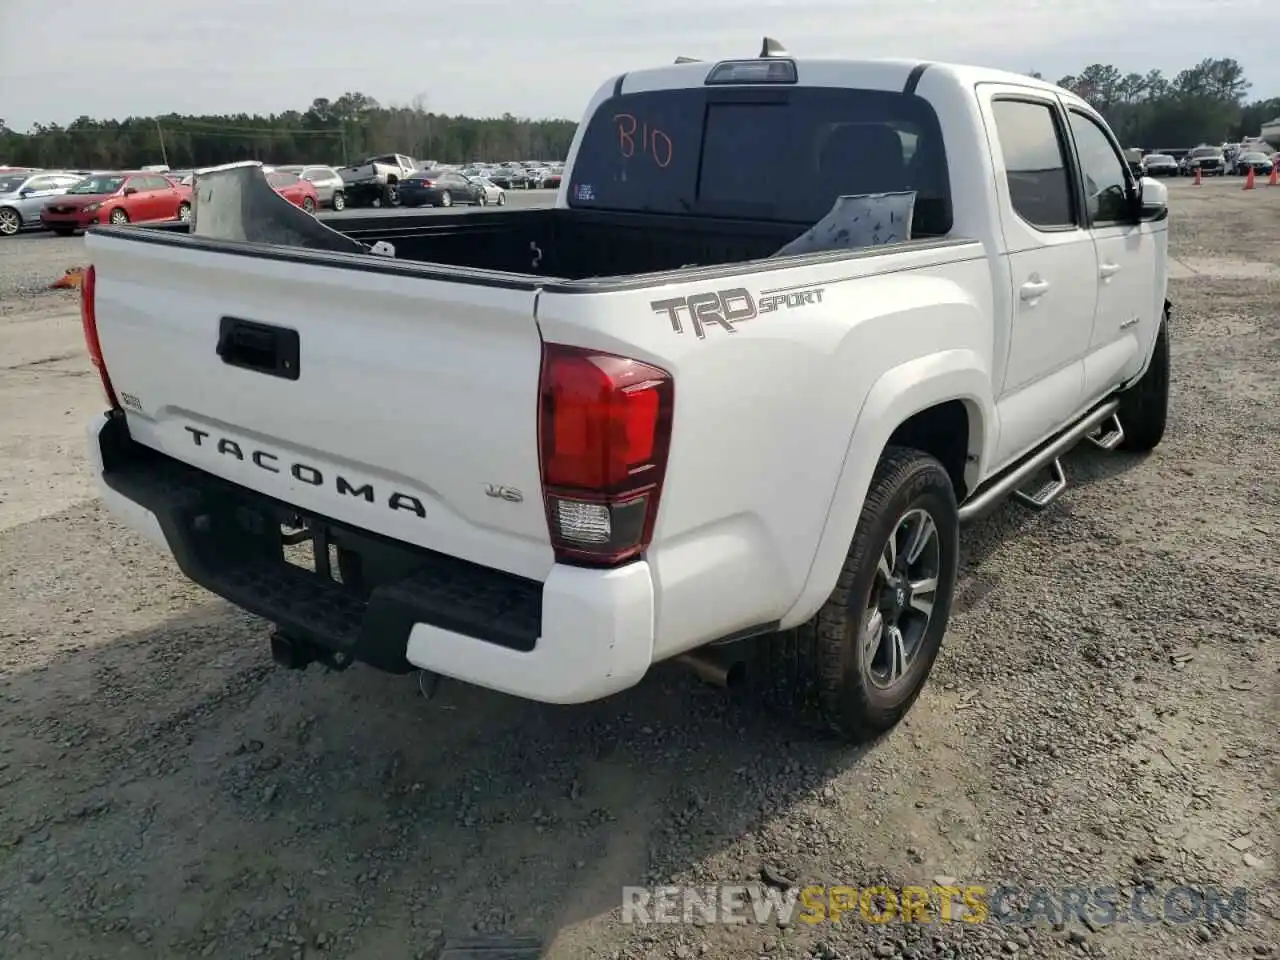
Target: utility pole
<point x="164" y="154"/>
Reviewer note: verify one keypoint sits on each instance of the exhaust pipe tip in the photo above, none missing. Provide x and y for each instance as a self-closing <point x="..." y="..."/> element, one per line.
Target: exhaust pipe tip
<point x="720" y="668"/>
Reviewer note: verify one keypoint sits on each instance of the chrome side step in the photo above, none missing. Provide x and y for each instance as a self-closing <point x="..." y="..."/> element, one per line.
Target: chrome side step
<point x="1110" y="435"/>
<point x="1048" y="493"/>
<point x="990" y="496"/>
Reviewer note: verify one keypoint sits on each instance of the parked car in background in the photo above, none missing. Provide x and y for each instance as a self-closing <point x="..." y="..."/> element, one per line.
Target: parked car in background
<point x="1253" y="160"/>
<point x="439" y="188"/>
<point x="330" y="187"/>
<point x="117" y="198"/>
<point x="1208" y="160"/>
<point x="299" y="192"/>
<point x="1159" y="165"/>
<point x="492" y="192"/>
<point x="510" y="177"/>
<point x="377" y="180"/>
<point x="22" y="194"/>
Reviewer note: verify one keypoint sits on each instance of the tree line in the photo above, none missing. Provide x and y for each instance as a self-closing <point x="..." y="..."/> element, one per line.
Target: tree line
<point x="340" y="131"/>
<point x="1206" y="103"/>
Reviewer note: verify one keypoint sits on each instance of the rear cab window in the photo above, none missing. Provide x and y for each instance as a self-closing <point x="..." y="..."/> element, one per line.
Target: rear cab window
<point x="762" y="152"/>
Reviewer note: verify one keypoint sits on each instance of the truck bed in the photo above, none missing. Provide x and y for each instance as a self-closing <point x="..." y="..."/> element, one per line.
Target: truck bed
<point x="569" y="244"/>
<point x="561" y="244"/>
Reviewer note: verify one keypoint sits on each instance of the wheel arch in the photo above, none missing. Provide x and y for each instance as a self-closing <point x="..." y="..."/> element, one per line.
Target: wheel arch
<point x="941" y="403"/>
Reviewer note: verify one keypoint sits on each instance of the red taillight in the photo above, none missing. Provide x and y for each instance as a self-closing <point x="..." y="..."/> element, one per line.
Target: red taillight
<point x="604" y="429"/>
<point x="89" y="321"/>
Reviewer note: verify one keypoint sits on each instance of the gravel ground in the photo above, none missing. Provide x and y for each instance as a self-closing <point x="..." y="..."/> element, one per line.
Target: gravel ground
<point x="1104" y="713"/>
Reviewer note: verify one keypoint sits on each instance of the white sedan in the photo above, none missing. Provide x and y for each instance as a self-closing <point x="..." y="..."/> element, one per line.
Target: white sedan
<point x="492" y="192"/>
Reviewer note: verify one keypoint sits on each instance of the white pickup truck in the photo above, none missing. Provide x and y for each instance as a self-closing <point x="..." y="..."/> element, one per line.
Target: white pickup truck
<point x="542" y="450"/>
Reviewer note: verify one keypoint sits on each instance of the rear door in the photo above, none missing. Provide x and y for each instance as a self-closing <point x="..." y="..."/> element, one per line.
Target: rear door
<point x="162" y="199"/>
<point x="406" y="399"/>
<point x="1052" y="263"/>
<point x="1131" y="259"/>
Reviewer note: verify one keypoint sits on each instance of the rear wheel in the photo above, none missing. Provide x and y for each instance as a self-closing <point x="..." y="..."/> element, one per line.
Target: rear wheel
<point x="118" y="216"/>
<point x="502" y="199"/>
<point x="865" y="656"/>
<point x="446" y="199"/>
<point x="391" y="195"/>
<point x="10" y="221"/>
<point x="1144" y="407"/>
<point x="339" y="201"/>
<point x="481" y="199"/>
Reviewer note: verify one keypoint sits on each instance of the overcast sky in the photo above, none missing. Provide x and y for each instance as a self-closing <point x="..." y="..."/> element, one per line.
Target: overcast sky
<point x="60" y="59"/>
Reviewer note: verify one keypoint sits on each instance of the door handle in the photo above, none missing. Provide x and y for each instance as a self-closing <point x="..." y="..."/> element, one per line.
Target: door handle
<point x="1033" y="290"/>
<point x="1108" y="270"/>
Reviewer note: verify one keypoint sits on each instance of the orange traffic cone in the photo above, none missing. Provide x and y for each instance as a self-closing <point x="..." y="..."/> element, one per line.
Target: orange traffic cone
<point x="1274" y="179"/>
<point x="1197" y="183"/>
<point x="69" y="280"/>
<point x="1248" y="180"/>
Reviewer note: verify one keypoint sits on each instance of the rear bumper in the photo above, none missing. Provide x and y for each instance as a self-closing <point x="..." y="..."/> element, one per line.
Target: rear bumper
<point x="579" y="636"/>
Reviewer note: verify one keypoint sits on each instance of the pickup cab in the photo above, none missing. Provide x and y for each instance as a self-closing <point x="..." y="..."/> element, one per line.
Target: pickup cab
<point x="543" y="450"/>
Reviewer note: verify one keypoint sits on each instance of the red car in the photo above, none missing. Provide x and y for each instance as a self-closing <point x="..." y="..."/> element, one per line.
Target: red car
<point x="297" y="191"/>
<point x="116" y="198"/>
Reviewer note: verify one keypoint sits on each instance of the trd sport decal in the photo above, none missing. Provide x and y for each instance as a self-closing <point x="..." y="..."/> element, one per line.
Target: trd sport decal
<point x="724" y="308"/>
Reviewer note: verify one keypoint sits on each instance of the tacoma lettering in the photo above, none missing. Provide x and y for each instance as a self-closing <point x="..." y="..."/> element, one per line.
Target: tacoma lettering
<point x="306" y="473"/>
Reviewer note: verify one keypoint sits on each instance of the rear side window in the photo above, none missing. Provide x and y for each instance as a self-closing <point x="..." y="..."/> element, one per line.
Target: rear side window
<point x="762" y="153"/>
<point x="1035" y="163"/>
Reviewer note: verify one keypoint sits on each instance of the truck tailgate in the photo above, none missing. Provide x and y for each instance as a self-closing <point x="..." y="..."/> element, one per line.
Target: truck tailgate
<point x="409" y="410"/>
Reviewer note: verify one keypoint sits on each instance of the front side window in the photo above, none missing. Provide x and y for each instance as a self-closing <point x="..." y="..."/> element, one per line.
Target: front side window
<point x="1106" y="176"/>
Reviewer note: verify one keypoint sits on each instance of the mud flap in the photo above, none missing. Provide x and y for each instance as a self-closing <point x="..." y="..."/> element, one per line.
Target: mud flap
<point x="235" y="202"/>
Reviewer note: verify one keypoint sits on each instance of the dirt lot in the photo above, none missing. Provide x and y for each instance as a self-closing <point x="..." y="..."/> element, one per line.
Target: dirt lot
<point x="1105" y="713"/>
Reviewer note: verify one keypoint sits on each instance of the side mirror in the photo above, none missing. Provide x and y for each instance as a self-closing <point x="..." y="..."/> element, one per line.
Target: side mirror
<point x="25" y="192"/>
<point x="130" y="191"/>
<point x="1152" y="201"/>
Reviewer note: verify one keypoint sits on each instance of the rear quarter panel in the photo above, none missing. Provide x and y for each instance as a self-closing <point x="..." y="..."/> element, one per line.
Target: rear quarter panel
<point x="765" y="412"/>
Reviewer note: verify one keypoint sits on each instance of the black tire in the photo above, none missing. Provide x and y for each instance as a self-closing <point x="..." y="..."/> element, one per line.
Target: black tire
<point x="824" y="660"/>
<point x="446" y="199"/>
<point x="308" y="205"/>
<point x="502" y="199"/>
<point x="391" y="195"/>
<point x="184" y="212"/>
<point x="481" y="199"/>
<point x="1144" y="407"/>
<point x="339" y="201"/>
<point x="118" y="216"/>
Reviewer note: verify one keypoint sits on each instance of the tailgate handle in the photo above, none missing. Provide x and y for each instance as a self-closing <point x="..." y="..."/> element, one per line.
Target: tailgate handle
<point x="260" y="347"/>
